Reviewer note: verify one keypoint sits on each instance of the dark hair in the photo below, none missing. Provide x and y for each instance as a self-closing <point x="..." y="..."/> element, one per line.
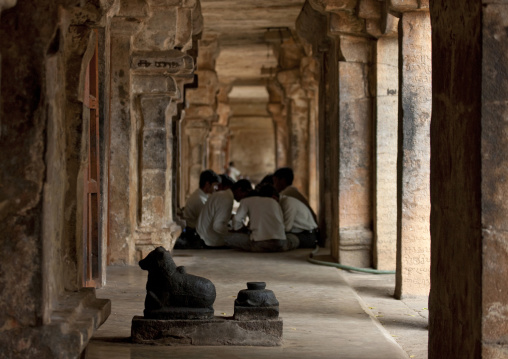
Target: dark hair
<point x="267" y="190"/>
<point x="226" y="181"/>
<point x="208" y="176"/>
<point x="268" y="179"/>
<point x="286" y="174"/>
<point x="231" y="163"/>
<point x="243" y="184"/>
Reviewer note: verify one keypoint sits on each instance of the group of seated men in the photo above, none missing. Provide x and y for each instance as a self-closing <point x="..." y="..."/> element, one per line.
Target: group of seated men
<point x="273" y="217"/>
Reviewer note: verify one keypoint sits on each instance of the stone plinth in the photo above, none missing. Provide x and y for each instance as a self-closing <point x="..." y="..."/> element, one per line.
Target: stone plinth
<point x="216" y="331"/>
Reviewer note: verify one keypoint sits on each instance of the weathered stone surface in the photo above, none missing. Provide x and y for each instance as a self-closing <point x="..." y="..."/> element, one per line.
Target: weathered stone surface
<point x="413" y="242"/>
<point x="171" y="62"/>
<point x="403" y="5"/>
<point x="369" y="9"/>
<point x="344" y="22"/>
<point x="385" y="190"/>
<point x="459" y="39"/>
<point x="206" y="92"/>
<point x="494" y="172"/>
<point x="333" y="5"/>
<point x="218" y="140"/>
<point x="355" y="247"/>
<point x="120" y="171"/>
<point x="355" y="159"/>
<point x="217" y="331"/>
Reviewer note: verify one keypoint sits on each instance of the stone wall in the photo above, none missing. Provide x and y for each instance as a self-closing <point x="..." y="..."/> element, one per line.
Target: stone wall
<point x="45" y="48"/>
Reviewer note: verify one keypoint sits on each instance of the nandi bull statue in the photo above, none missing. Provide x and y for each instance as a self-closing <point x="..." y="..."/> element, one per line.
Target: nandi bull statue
<point x="171" y="293"/>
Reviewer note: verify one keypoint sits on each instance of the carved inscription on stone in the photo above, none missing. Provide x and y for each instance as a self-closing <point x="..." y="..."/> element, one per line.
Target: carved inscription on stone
<point x="174" y="62"/>
<point x="416" y="97"/>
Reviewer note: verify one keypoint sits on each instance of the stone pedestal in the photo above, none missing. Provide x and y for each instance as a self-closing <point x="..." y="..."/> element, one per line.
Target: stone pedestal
<point x="413" y="243"/>
<point x="217" y="331"/>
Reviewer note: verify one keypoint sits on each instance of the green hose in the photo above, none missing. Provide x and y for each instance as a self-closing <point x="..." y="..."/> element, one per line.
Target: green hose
<point x="345" y="267"/>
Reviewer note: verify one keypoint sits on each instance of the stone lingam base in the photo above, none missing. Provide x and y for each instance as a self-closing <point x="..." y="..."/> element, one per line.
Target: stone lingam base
<point x="216" y="331"/>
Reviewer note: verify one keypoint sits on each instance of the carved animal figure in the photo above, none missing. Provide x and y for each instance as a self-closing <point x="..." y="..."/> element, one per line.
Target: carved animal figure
<point x="169" y="286"/>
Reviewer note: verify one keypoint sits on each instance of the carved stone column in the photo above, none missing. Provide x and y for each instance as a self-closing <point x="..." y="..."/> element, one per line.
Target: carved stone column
<point x="217" y="144"/>
<point x="194" y="148"/>
<point x="415" y="101"/>
<point x="278" y="111"/>
<point x="147" y="82"/>
<point x="355" y="151"/>
<point x="121" y="200"/>
<point x="197" y="123"/>
<point x="298" y="108"/>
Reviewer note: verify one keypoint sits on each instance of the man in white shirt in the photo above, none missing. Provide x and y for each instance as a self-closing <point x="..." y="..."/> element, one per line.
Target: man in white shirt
<point x="299" y="222"/>
<point x="213" y="221"/>
<point x="266" y="224"/>
<point x="232" y="171"/>
<point x="208" y="183"/>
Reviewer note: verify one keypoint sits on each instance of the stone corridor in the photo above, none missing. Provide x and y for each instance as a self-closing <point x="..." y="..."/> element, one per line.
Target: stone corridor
<point x="391" y="113"/>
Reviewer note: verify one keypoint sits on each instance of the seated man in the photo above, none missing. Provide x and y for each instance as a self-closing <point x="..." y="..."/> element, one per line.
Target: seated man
<point x="208" y="182"/>
<point x="266" y="224"/>
<point x="283" y="183"/>
<point x="298" y="221"/>
<point x="213" y="221"/>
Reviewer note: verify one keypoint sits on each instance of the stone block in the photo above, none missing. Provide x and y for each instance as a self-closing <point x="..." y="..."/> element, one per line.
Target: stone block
<point x="355" y="247"/>
<point x="356" y="49"/>
<point x="369" y="9"/>
<point x="154" y="149"/>
<point x="154" y="84"/>
<point x="345" y="22"/>
<point x="353" y="81"/>
<point x="154" y="111"/>
<point x="153" y="182"/>
<point x="216" y="331"/>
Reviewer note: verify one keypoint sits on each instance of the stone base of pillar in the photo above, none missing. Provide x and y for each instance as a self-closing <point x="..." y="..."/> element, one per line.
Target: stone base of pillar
<point x="147" y="241"/>
<point x="355" y="247"/>
<point x="217" y="331"/>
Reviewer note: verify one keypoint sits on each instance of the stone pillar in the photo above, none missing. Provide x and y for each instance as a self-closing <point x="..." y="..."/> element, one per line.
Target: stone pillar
<point x="413" y="231"/>
<point x="313" y="26"/>
<point x="278" y="110"/>
<point x="201" y="112"/>
<point x="355" y="152"/>
<point x="310" y="69"/>
<point x="148" y="75"/>
<point x="469" y="152"/>
<point x="217" y="144"/>
<point x="194" y="152"/>
<point x="385" y="151"/>
<point x="298" y="121"/>
<point x="121" y="191"/>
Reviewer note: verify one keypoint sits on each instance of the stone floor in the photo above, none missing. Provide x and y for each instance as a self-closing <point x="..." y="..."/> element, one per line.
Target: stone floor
<point x="327" y="312"/>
